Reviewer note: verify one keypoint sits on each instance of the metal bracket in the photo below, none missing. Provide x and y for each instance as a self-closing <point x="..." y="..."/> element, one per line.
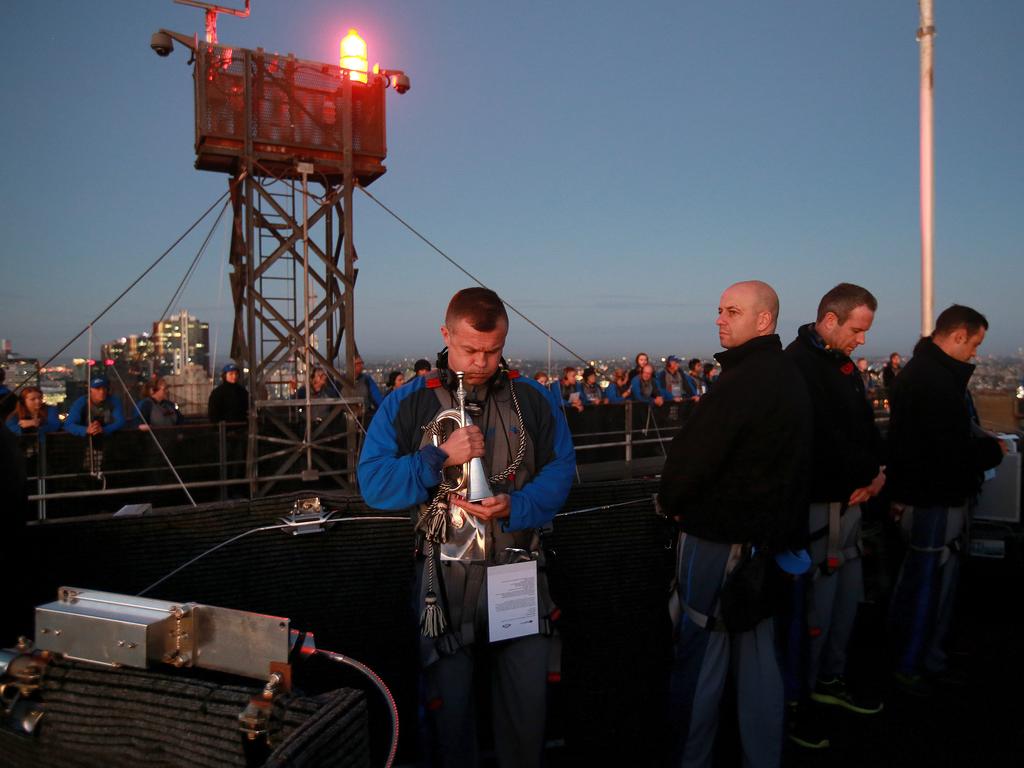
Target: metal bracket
<point x="307" y="516"/>
<point x="23" y="673"/>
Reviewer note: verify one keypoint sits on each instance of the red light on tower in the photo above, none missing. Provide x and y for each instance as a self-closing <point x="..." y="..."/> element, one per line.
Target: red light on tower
<point x="353" y="56"/>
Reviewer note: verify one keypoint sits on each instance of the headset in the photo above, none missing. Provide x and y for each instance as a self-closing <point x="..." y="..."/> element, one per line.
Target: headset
<point x="449" y="381"/>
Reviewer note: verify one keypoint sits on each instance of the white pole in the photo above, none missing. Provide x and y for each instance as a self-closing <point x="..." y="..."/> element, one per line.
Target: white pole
<point x="926" y="38"/>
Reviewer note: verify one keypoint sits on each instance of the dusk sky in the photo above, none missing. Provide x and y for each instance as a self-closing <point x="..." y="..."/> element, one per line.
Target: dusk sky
<point x="607" y="167"/>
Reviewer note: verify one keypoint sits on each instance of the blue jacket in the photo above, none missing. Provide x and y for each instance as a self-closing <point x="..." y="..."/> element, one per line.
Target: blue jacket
<point x="372" y="388"/>
<point x="555" y="388"/>
<point x="396" y="473"/>
<point x="583" y="394"/>
<point x="52" y="424"/>
<point x="638" y="395"/>
<point x="76" y="422"/>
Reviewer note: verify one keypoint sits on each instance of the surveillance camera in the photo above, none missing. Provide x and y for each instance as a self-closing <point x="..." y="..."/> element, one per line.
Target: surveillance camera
<point x="400" y="82"/>
<point x="162" y="43"/>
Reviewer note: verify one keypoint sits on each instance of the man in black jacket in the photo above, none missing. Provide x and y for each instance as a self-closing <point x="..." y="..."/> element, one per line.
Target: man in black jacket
<point x="229" y="402"/>
<point x="937" y="457"/>
<point x="735" y="476"/>
<point x="845" y="472"/>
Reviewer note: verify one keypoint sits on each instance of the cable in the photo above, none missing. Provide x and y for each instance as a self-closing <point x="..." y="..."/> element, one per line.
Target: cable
<point x="195" y="262"/>
<point x="468" y="274"/>
<point x="382" y="687"/>
<point x="157" y="441"/>
<point x="123" y="293"/>
<point x="601" y="508"/>
<point x="275" y="527"/>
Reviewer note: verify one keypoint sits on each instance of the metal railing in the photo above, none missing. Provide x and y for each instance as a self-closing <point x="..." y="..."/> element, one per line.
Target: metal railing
<point x="70" y="477"/>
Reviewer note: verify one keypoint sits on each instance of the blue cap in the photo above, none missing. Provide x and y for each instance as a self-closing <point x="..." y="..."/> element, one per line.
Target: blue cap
<point x="99" y="381"/>
<point x="673" y="359"/>
<point x="794" y="563"/>
<point x="228" y="368"/>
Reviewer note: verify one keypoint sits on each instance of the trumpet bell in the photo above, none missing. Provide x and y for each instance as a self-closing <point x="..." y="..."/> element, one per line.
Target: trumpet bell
<point x="477" y="487"/>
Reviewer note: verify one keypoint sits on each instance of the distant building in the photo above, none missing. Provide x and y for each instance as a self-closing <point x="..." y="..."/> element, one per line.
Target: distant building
<point x="20" y="370"/>
<point x="190" y="389"/>
<point x="179" y="341"/>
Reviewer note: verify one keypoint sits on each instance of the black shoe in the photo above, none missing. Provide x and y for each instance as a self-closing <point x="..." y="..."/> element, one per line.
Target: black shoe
<point x="835" y="692"/>
<point x="913" y="685"/>
<point x="804" y="727"/>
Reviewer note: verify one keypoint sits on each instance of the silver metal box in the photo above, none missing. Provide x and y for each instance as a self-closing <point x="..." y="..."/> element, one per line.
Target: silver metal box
<point x="122" y="630"/>
<point x="107" y="628"/>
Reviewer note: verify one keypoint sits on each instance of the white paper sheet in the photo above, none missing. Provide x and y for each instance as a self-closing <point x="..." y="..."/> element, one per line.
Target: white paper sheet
<point x="512" y="601"/>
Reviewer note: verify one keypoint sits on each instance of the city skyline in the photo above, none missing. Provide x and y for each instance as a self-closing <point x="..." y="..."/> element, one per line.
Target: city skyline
<point x="608" y="173"/>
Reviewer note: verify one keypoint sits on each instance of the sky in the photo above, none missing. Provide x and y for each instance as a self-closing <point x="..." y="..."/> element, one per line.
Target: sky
<point x="607" y="167"/>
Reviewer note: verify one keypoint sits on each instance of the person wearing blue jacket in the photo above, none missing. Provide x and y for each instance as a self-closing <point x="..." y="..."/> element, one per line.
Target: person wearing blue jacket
<point x="96" y="413"/>
<point x="590" y="392"/>
<point x="566" y="389"/>
<point x="32" y="416"/>
<point x="521" y="436"/>
<point x="645" y="387"/>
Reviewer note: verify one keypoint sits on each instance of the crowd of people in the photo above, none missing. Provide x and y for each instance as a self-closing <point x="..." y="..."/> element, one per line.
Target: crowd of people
<point x="765" y="482"/>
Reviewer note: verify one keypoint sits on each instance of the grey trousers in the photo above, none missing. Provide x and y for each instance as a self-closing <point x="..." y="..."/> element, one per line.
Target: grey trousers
<point x="518" y="670"/>
<point x="834" y="597"/>
<point x="922" y="603"/>
<point x="701" y="666"/>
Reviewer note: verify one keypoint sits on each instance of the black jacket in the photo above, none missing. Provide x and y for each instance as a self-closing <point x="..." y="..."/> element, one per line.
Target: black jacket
<point x="737" y="470"/>
<point x="229" y="402"/>
<point x="846" y="452"/>
<point x="935" y="458"/>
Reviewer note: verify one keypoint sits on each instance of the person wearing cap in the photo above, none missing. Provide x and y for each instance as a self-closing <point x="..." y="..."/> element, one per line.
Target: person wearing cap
<point x="421" y="367"/>
<point x="229" y="400"/>
<point x="96" y="413"/>
<point x="846" y="471"/>
<point x="670" y="379"/>
<point x="589" y="390"/>
<point x="229" y="403"/>
<point x="735" y="481"/>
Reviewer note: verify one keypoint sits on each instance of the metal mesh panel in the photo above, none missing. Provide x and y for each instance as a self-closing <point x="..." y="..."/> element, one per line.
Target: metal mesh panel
<point x="296" y="105"/>
<point x="610" y="572"/>
<point x="350" y="586"/>
<point x="105" y="718"/>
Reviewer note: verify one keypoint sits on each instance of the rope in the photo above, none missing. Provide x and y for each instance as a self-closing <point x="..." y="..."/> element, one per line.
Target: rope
<point x="155" y="440"/>
<point x="191" y="267"/>
<point x="433" y="522"/>
<point x="274" y="527"/>
<point x="468" y="274"/>
<point x="124" y="293"/>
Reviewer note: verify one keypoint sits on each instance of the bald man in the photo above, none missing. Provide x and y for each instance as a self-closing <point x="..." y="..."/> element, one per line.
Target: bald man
<point x="735" y="480"/>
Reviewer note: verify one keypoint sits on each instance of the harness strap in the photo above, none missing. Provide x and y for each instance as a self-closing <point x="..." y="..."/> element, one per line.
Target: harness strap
<point x="835" y="512"/>
<point x="676" y="602"/>
<point x="702" y="620"/>
<point x="945" y="551"/>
